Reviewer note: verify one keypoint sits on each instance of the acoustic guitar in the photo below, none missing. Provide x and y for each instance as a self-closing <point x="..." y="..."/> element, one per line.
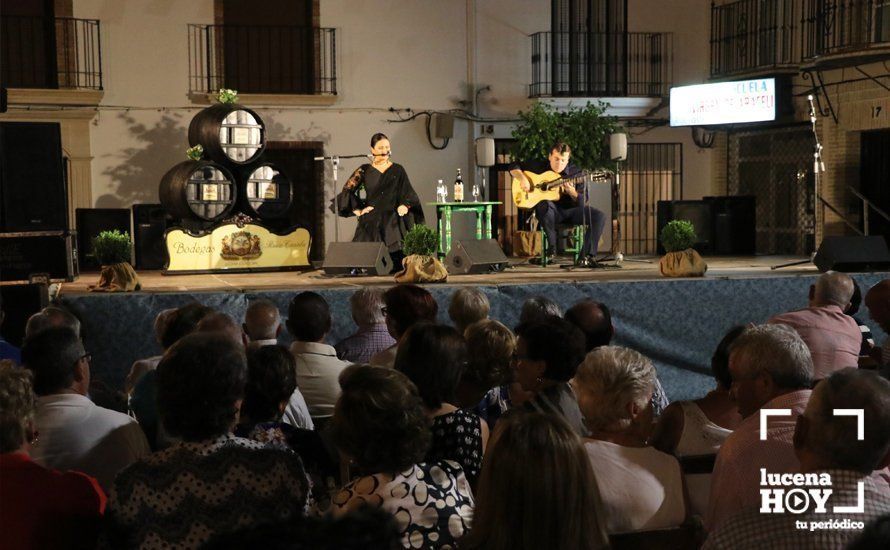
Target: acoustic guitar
<point x="545" y="186"/>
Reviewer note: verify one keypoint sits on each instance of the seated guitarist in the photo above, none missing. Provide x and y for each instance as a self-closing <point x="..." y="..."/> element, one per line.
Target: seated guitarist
<point x="568" y="208"/>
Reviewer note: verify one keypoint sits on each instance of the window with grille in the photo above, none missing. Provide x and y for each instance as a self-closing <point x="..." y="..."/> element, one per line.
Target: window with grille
<point x="653" y="172"/>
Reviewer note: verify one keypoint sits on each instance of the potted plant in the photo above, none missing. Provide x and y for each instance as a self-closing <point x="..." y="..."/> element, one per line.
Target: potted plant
<point x="680" y="260"/>
<point x="112" y="250"/>
<point x="420" y="264"/>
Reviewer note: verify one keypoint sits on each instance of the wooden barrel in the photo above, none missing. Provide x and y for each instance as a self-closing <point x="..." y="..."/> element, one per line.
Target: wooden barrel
<point x="198" y="190"/>
<point x="229" y="133"/>
<point x="268" y="192"/>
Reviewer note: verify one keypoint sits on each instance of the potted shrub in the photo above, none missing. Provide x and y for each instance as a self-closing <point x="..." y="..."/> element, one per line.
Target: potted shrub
<point x="680" y="260"/>
<point x="420" y="264"/>
<point x="113" y="250"/>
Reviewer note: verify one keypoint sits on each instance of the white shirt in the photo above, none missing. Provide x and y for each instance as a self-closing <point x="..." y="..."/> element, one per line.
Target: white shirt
<point x="76" y="434"/>
<point x="261" y="343"/>
<point x="318" y="373"/>
<point x="700" y="437"/>
<point x="641" y="487"/>
<point x="297" y="413"/>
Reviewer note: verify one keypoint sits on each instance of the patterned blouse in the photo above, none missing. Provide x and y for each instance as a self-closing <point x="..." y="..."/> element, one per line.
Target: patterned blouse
<point x="431" y="502"/>
<point x="457" y="436"/>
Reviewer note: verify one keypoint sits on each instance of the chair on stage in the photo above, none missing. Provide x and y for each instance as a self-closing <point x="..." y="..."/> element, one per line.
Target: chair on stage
<point x="574" y="235"/>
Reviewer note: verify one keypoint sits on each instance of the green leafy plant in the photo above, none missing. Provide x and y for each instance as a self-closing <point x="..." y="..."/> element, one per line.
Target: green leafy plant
<point x="228" y="96"/>
<point x="678" y="235"/>
<point x="420" y="240"/>
<point x="112" y="247"/>
<point x="195" y="153"/>
<point x="586" y="130"/>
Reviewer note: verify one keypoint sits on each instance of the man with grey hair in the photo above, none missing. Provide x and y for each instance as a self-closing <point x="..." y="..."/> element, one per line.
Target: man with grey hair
<point x="834" y="338"/>
<point x="51" y="316"/>
<point x="828" y="445"/>
<point x="262" y="322"/>
<point x="468" y="305"/>
<point x="537" y="308"/>
<point x="372" y="336"/>
<point x="771" y="368"/>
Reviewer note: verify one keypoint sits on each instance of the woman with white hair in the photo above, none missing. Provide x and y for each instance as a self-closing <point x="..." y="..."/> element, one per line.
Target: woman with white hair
<point x="641" y="487"/>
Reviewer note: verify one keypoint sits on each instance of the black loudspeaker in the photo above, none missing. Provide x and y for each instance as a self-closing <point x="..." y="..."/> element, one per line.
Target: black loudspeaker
<point x="853" y="254"/>
<point x="33" y="192"/>
<point x="149" y="225"/>
<point x="475" y="256"/>
<point x="19" y="303"/>
<point x="47" y="252"/>
<point x="735" y="222"/>
<point x="372" y="258"/>
<point x="697" y="212"/>
<point x="91" y="222"/>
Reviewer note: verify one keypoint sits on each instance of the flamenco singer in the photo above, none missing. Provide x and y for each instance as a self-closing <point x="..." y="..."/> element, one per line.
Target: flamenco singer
<point x="380" y="195"/>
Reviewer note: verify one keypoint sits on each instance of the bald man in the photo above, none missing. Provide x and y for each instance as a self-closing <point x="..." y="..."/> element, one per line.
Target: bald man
<point x="833" y="338"/>
<point x="262" y="322"/>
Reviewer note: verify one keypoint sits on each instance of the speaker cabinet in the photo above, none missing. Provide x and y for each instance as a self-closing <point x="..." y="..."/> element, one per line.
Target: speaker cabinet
<point x="735" y="222"/>
<point x="850" y="254"/>
<point x="19" y="303"/>
<point x="149" y="225"/>
<point x="91" y="222"/>
<point x="369" y="258"/>
<point x="39" y="252"/>
<point x="475" y="256"/>
<point x="697" y="212"/>
<point x="33" y="192"/>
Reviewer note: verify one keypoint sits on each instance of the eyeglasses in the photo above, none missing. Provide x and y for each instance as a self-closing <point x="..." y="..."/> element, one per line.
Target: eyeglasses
<point x="383" y="311"/>
<point x="88" y="356"/>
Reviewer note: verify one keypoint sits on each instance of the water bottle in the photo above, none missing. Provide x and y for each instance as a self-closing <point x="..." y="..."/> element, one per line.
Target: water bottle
<point x="440" y="191"/>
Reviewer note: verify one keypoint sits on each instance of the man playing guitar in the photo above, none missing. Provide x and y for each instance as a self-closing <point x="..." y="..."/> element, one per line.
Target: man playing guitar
<point x="568" y="208"/>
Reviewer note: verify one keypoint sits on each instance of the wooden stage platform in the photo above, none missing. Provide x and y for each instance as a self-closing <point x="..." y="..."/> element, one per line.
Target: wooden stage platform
<point x="519" y="273"/>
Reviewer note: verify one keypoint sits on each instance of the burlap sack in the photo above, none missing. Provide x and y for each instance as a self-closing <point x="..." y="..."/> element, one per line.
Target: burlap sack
<point x="421" y="269"/>
<point x="685" y="263"/>
<point x="117" y="278"/>
<point x="527" y="243"/>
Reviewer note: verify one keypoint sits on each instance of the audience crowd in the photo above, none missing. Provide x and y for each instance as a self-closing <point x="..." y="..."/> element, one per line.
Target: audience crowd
<point x="413" y="434"/>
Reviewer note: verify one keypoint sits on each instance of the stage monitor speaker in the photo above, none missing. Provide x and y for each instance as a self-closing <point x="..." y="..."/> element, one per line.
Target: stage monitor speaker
<point x="91" y="222"/>
<point x="853" y="254"/>
<point x="697" y="212"/>
<point x="444" y="125"/>
<point x="475" y="256"/>
<point x="38" y="253"/>
<point x="342" y="258"/>
<point x="19" y="303"/>
<point x="33" y="192"/>
<point x="149" y="225"/>
<point x="485" y="152"/>
<point x="735" y="223"/>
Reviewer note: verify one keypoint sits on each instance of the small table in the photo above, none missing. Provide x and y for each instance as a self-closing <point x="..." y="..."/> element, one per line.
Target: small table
<point x="443" y="216"/>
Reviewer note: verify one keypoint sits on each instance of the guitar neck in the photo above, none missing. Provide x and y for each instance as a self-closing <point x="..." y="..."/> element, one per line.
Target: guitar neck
<point x="593" y="176"/>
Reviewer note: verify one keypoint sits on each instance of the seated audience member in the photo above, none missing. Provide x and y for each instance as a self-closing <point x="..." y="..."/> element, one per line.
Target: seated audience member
<point x="699" y="427"/>
<point x="51" y="316"/>
<point x="876" y="534"/>
<point x="537" y="308"/>
<point x="834" y="339"/>
<point x="381" y="426"/>
<point x="262" y="323"/>
<point x="771" y="368"/>
<point x="594" y="320"/>
<point x="142" y="366"/>
<point x="210" y="482"/>
<point x="877" y="300"/>
<point x="537" y="489"/>
<point x="434" y="357"/>
<point x="490" y="347"/>
<point x="468" y="305"/>
<point x="868" y="341"/>
<point x="403" y="306"/>
<point x="827" y="444"/>
<point x="318" y="369"/>
<point x="39" y="507"/>
<point x="7" y="350"/>
<point x="372" y="336"/>
<point x="75" y="433"/>
<point x="547" y="355"/>
<point x="641" y="487"/>
<point x="225" y="324"/>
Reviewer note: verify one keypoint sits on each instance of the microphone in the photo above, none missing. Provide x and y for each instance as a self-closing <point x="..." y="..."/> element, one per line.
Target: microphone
<point x="388" y="154"/>
<point x="812" y="108"/>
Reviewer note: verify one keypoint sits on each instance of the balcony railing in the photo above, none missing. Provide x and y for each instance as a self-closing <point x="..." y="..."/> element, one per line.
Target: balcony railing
<point x="601" y="64"/>
<point x="262" y="59"/>
<point x="50" y="52"/>
<point x="838" y="26"/>
<point x="751" y="35"/>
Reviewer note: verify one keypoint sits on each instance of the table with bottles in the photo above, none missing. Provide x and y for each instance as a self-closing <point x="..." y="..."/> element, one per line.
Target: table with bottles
<point x="444" y="210"/>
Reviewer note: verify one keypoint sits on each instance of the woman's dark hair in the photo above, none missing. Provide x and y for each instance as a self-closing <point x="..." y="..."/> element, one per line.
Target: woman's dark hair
<point x="308" y="317"/>
<point x="855" y="299"/>
<point x="377" y="137"/>
<point x="554" y="500"/>
<point x="720" y="359"/>
<point x="199" y="380"/>
<point x="433" y="357"/>
<point x="184" y="321"/>
<point x="555" y="341"/>
<point x="406" y="305"/>
<point x="271" y="379"/>
<point x="379" y="420"/>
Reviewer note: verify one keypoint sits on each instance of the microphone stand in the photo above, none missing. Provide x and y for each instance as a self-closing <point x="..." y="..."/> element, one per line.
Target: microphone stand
<point x="818" y="170"/>
<point x="335" y="165"/>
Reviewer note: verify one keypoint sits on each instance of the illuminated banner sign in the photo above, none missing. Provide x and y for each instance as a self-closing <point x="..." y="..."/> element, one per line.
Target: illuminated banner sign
<point x="724" y="103"/>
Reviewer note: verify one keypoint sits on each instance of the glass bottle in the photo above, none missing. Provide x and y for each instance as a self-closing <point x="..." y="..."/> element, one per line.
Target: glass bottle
<point x="458" y="188"/>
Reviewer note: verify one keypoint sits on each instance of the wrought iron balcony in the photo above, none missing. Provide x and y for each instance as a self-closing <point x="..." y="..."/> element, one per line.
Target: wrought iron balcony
<point x="262" y="59"/>
<point x="50" y="53"/>
<point x="753" y="35"/>
<point x="844" y="26"/>
<point x="633" y="64"/>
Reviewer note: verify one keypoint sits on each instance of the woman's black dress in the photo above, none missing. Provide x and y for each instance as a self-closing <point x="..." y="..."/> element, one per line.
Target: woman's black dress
<point x="385" y="192"/>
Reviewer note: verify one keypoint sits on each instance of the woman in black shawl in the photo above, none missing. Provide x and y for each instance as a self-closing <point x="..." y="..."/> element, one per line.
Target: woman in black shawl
<point x="382" y="198"/>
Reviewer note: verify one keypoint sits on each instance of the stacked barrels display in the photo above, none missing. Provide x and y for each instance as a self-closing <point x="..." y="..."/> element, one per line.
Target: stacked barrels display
<point x="233" y="179"/>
